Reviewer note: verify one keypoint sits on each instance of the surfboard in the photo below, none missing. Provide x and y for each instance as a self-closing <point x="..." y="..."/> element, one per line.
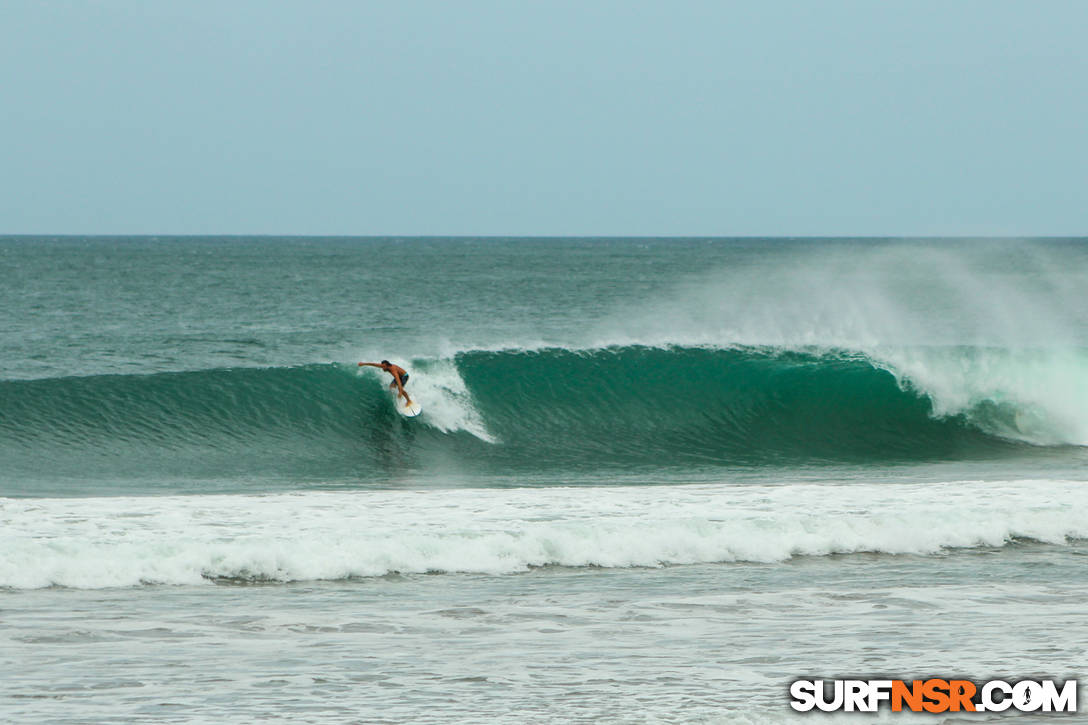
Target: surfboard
<point x="408" y="411"/>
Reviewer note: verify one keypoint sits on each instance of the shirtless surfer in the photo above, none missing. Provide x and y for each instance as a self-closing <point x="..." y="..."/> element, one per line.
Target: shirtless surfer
<point x="400" y="377"/>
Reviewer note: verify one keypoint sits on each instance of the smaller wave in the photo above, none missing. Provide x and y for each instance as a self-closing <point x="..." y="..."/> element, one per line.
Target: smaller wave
<point x="120" y="542"/>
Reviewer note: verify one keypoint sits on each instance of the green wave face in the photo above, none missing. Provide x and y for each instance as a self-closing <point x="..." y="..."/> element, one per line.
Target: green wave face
<point x="684" y="405"/>
<point x="551" y="410"/>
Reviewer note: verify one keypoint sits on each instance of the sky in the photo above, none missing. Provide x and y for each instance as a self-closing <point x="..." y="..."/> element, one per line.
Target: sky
<point x="564" y="117"/>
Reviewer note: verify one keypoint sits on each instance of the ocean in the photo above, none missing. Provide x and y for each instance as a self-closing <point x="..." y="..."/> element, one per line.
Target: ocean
<point x="655" y="480"/>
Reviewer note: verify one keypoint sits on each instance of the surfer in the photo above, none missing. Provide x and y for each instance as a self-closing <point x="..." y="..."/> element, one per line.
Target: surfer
<point x="400" y="377"/>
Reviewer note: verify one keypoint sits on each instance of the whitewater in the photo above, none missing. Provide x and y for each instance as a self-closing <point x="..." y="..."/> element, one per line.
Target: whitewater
<point x="98" y="543"/>
<point x="655" y="479"/>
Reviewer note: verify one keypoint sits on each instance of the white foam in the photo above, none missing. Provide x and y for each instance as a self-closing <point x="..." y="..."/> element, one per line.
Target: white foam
<point x="439" y="388"/>
<point x="111" y="542"/>
<point x="449" y="405"/>
<point x="1038" y="396"/>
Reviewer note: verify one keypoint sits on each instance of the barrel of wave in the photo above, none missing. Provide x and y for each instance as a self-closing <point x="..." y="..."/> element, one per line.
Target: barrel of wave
<point x="1031" y="394"/>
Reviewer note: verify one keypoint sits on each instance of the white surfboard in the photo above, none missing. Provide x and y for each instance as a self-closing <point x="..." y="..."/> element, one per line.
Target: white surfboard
<point x="408" y="411"/>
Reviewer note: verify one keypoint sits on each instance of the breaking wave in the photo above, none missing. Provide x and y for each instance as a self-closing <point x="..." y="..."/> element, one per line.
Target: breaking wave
<point x="609" y="408"/>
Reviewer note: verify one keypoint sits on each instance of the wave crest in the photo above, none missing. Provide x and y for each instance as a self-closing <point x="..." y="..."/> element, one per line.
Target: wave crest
<point x="511" y="410"/>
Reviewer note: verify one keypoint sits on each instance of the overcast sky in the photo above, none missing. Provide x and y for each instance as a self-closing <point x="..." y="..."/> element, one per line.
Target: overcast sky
<point x="577" y="117"/>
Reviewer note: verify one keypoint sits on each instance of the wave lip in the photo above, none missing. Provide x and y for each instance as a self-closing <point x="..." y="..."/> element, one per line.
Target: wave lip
<point x="119" y="542"/>
<point x="502" y="412"/>
<point x="758" y="405"/>
<point x="1035" y="395"/>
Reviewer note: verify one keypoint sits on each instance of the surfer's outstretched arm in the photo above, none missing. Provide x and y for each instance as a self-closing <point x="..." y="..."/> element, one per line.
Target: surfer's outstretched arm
<point x="396" y="372"/>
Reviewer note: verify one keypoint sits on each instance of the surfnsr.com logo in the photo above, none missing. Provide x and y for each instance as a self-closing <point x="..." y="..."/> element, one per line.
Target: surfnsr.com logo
<point x="933" y="695"/>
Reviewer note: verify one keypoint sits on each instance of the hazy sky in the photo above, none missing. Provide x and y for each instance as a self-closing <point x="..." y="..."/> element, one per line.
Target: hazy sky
<point x="544" y="118"/>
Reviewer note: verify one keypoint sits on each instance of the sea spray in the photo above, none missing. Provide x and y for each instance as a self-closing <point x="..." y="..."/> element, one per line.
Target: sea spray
<point x="857" y="295"/>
